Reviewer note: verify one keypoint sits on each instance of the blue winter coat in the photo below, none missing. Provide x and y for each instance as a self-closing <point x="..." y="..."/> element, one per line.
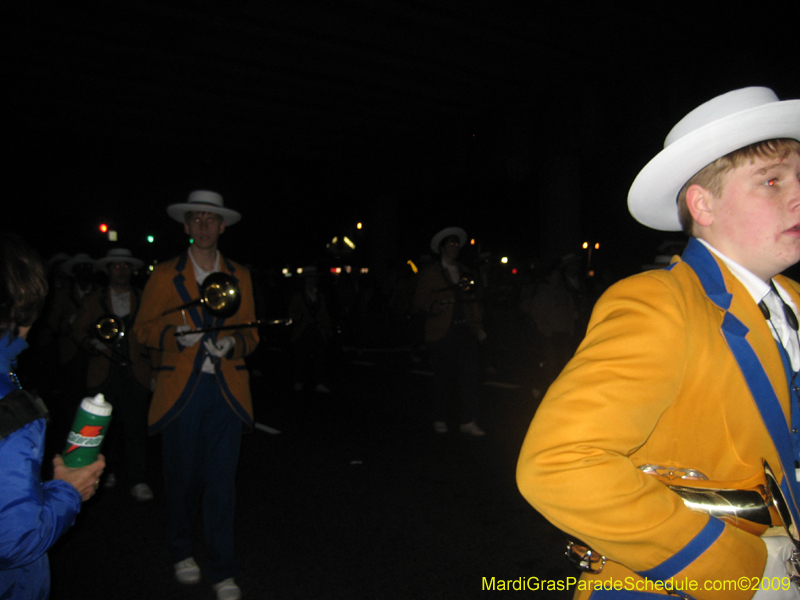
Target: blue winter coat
<point x="32" y="514"/>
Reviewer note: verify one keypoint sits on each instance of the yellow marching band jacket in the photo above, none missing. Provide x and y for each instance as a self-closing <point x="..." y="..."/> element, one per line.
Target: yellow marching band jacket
<point x="171" y="285"/>
<point x="678" y="370"/>
<point x="436" y="296"/>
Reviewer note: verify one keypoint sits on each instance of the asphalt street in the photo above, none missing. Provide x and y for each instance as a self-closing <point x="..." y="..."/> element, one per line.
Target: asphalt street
<point x="355" y="498"/>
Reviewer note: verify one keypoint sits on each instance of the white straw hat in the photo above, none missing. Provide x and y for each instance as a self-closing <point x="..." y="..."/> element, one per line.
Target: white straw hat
<point x="120" y="255"/>
<point x="712" y="130"/>
<point x="445" y="233"/>
<point x="204" y="201"/>
<point x="79" y="259"/>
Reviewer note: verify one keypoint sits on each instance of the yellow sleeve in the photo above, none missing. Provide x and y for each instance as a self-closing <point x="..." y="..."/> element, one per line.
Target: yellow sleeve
<point x="575" y="465"/>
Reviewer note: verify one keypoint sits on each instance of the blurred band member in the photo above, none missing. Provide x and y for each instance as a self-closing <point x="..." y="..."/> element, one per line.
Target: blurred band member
<point x="453" y="328"/>
<point x="119" y="368"/>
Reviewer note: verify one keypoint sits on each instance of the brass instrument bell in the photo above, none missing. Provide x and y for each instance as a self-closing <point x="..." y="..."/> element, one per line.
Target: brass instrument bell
<point x="109" y="328"/>
<point x="219" y="294"/>
<point x="467" y="284"/>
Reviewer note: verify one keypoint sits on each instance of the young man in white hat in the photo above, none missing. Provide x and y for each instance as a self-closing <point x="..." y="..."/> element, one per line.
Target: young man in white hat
<point x="453" y="328"/>
<point x="202" y="402"/>
<point x="119" y="368"/>
<point x="683" y="380"/>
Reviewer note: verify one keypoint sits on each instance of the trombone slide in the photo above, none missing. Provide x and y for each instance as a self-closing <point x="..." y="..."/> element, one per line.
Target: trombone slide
<point x="257" y="323"/>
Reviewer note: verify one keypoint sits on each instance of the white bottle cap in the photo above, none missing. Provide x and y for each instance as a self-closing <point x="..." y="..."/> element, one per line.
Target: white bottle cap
<point x="97" y="405"/>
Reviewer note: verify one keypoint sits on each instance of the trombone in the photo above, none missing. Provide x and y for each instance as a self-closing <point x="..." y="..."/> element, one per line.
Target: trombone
<point x="465" y="284"/>
<point x="109" y="329"/>
<point x="221" y="297"/>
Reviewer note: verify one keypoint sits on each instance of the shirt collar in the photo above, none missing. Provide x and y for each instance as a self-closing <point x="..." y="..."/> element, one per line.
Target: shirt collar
<point x="752" y="283"/>
<point x="199" y="272"/>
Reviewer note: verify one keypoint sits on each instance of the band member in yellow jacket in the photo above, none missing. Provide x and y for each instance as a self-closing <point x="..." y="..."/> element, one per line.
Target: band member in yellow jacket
<point x="453" y="329"/>
<point x="201" y="404"/>
<point x="686" y="376"/>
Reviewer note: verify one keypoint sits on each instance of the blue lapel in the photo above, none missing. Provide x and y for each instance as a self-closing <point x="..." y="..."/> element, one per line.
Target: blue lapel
<point x="708" y="272"/>
<point x="186" y="296"/>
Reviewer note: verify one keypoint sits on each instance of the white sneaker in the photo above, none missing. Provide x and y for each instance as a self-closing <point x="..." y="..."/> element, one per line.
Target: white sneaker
<point x="187" y="572"/>
<point x="440" y="427"/>
<point x="142" y="492"/>
<point x="472" y="429"/>
<point x="227" y="590"/>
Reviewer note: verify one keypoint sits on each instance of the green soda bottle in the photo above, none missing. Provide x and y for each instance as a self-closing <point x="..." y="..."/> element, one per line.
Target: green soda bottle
<point x="88" y="430"/>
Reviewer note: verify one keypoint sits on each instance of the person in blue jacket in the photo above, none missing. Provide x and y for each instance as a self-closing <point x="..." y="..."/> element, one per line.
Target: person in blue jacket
<point x="33" y="514"/>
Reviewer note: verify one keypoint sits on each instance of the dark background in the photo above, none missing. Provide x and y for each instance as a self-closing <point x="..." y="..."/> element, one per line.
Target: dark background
<point x="523" y="122"/>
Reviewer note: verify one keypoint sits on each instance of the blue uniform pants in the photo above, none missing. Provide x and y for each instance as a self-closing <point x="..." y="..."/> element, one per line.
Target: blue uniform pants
<point x="454" y="359"/>
<point x="200" y="454"/>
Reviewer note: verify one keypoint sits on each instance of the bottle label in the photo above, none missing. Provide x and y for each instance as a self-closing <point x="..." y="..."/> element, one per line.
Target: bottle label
<point x="88" y="437"/>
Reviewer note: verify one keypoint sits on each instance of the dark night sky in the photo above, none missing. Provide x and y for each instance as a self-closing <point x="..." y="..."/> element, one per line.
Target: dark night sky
<point x="409" y="116"/>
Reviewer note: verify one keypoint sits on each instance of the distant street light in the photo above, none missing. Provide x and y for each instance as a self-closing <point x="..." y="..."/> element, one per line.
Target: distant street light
<point x="588" y="246"/>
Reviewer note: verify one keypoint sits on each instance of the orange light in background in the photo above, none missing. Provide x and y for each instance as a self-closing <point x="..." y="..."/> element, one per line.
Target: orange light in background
<point x="103" y="228"/>
<point x="472" y="242"/>
<point x="359" y="225"/>
<point x="585" y="245"/>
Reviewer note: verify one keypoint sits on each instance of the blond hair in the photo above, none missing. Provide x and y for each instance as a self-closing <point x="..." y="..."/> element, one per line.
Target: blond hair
<point x="712" y="177"/>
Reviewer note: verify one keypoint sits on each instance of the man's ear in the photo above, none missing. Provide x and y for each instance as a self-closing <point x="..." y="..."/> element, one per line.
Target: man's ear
<point x="700" y="203"/>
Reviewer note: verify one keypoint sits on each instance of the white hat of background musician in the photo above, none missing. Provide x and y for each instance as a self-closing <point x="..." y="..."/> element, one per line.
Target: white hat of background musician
<point x="120" y="255"/>
<point x="79" y="259"/>
<point x="436" y="241"/>
<point x="204" y="201"/>
<point x="712" y="130"/>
